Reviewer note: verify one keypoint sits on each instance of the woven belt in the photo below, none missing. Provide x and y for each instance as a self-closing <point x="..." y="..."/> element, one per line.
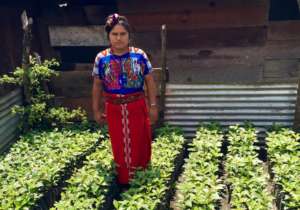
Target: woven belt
<point x="124" y="99"/>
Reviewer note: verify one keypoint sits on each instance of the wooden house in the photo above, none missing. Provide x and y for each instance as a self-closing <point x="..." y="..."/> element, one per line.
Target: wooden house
<point x="208" y="41"/>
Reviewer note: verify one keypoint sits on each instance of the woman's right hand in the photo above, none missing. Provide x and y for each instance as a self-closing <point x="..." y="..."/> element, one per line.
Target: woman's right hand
<point x="100" y="118"/>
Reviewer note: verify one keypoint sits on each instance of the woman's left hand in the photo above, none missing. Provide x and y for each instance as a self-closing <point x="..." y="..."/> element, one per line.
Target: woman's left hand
<point x="153" y="112"/>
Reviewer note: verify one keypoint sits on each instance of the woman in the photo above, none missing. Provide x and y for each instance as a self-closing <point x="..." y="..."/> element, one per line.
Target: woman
<point x="119" y="75"/>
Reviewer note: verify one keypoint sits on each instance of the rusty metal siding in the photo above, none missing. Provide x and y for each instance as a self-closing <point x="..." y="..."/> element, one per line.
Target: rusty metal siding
<point x="262" y="104"/>
<point x="8" y="122"/>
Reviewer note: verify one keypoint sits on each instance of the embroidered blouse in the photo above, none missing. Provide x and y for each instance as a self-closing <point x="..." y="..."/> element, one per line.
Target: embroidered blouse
<point x="122" y="74"/>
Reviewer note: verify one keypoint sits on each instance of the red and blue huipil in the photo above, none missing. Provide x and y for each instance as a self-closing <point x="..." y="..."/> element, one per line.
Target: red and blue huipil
<point x="128" y="123"/>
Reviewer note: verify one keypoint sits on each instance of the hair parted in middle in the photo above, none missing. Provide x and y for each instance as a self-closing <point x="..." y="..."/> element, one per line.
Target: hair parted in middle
<point x="115" y="19"/>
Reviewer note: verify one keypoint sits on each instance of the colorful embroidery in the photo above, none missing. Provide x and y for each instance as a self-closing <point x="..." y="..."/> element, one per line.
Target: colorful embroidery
<point x="122" y="74"/>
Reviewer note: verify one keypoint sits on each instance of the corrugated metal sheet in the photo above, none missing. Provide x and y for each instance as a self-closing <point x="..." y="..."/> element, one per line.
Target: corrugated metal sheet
<point x="262" y="104"/>
<point x="8" y="122"/>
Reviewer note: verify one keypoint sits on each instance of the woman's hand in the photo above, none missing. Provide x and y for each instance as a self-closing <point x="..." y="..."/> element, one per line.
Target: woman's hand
<point x="151" y="89"/>
<point x="100" y="118"/>
<point x="153" y="113"/>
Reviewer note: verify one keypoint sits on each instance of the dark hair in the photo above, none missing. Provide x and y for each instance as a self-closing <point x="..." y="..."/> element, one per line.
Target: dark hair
<point x="115" y="19"/>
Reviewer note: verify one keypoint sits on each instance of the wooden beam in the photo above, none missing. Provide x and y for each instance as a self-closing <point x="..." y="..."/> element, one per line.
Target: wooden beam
<point x="194" y="14"/>
<point x="195" y="38"/>
<point x="27" y="37"/>
<point x="61" y="36"/>
<point x="72" y="84"/>
<point x="133" y="6"/>
<point x="284" y="30"/>
<point x="164" y="72"/>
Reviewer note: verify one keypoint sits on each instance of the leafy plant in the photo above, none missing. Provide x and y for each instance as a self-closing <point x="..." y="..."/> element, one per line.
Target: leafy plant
<point x="246" y="178"/>
<point x="167" y="130"/>
<point x="148" y="187"/>
<point x="39" y="114"/>
<point x="212" y="126"/>
<point x="37" y="161"/>
<point x="89" y="186"/>
<point x="284" y="155"/>
<point x="201" y="186"/>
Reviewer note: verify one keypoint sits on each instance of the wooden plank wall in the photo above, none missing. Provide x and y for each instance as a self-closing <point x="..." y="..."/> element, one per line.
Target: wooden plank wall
<point x="228" y="41"/>
<point x="207" y="41"/>
<point x="10" y="38"/>
<point x="211" y="23"/>
<point x="194" y="14"/>
<point x="73" y="89"/>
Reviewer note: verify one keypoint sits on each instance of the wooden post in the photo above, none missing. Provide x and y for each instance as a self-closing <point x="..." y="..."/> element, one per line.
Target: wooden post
<point x="164" y="73"/>
<point x="26" y="24"/>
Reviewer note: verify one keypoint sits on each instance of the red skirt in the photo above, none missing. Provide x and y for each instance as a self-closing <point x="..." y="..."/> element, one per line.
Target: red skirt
<point x="130" y="132"/>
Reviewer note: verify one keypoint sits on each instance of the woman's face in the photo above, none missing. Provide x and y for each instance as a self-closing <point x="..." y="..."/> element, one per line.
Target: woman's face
<point x="119" y="38"/>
